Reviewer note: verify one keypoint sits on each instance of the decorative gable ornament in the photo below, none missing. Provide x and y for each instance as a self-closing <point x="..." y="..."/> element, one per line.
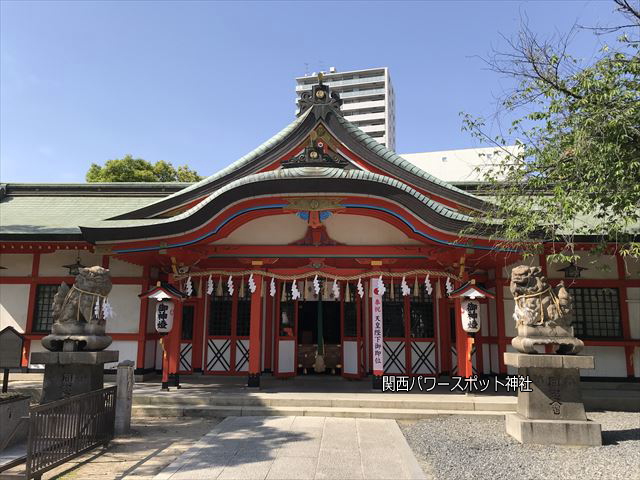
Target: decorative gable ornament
<point x="320" y="94"/>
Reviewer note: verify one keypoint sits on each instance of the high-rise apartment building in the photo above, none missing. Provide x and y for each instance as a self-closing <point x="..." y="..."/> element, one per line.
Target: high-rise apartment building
<point x="368" y="99"/>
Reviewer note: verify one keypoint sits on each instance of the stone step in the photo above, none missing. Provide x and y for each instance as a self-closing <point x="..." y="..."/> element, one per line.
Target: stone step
<point x="425" y="402"/>
<point x="221" y="411"/>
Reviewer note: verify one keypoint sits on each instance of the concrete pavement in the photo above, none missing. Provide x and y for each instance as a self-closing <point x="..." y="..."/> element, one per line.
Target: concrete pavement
<point x="298" y="448"/>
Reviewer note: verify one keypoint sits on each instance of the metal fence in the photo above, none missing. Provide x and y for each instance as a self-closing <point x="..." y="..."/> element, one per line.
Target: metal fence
<point x="64" y="429"/>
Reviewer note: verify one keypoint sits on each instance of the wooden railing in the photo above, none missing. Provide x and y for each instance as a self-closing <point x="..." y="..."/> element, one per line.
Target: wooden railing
<point x="64" y="429"/>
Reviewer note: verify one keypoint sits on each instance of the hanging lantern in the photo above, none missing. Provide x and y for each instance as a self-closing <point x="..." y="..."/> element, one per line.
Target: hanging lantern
<point x="164" y="316"/>
<point x="469" y="294"/>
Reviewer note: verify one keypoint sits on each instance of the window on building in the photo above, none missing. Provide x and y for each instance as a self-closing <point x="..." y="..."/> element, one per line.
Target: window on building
<point x="44" y="308"/>
<point x="243" y="326"/>
<point x="393" y="312"/>
<point x="350" y="312"/>
<point x="421" y="314"/>
<point x="220" y="314"/>
<point x="596" y="312"/>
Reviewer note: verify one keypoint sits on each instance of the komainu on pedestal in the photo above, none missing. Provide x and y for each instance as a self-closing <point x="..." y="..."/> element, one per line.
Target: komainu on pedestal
<point x="79" y="313"/>
<point x="542" y="313"/>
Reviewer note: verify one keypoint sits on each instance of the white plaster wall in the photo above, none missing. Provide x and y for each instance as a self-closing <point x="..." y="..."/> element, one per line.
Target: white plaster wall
<point x="610" y="362"/>
<point x="361" y="230"/>
<point x="509" y="307"/>
<point x="484" y="319"/>
<point x="493" y="318"/>
<point x="486" y="358"/>
<point x="151" y="315"/>
<point x="126" y="306"/>
<point x="119" y="268"/>
<point x="16" y="265"/>
<point x="51" y="264"/>
<point x="14" y="303"/>
<point x="271" y="230"/>
<point x="633" y="304"/>
<point x="495" y="363"/>
<point x="128" y="351"/>
<point x="150" y="354"/>
<point x="597" y="267"/>
<point x="158" y="355"/>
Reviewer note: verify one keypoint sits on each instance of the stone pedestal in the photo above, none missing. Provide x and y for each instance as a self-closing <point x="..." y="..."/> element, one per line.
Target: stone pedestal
<point x="72" y="373"/>
<point x="552" y="413"/>
<point x="124" y="396"/>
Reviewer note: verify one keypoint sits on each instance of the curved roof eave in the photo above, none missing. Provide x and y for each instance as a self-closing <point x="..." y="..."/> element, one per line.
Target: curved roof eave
<point x="292" y="181"/>
<point x="354" y="138"/>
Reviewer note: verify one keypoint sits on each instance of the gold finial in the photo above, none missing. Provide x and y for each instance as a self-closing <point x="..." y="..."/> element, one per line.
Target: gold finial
<point x="320" y="77"/>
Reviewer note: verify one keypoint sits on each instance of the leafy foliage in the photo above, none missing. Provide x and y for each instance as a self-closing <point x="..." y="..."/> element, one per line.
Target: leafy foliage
<point x="129" y="169"/>
<point x="576" y="168"/>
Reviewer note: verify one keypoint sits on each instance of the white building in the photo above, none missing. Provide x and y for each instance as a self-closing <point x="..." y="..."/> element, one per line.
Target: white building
<point x="458" y="166"/>
<point x="368" y="99"/>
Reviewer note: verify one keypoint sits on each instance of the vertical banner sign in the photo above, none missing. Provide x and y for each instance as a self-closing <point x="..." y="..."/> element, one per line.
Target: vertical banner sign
<point x="470" y="315"/>
<point x="376" y="324"/>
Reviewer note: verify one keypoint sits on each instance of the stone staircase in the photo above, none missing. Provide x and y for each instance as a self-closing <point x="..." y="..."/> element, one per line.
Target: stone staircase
<point x="371" y="405"/>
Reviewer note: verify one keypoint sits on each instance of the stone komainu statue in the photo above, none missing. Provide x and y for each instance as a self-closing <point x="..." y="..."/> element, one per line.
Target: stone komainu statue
<point x="78" y="315"/>
<point x="542" y="313"/>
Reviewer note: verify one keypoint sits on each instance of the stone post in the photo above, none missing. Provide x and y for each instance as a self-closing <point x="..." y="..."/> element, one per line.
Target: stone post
<point x="124" y="396"/>
<point x="552" y="413"/>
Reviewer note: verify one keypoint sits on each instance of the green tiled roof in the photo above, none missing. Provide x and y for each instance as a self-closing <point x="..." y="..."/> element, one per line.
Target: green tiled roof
<point x="283" y="174"/>
<point x="245" y="159"/>
<point x="59" y="214"/>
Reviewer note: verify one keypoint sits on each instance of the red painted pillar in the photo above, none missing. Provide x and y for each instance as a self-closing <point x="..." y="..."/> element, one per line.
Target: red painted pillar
<point x="165" y="363"/>
<point x="174" y="343"/>
<point x="254" y="335"/>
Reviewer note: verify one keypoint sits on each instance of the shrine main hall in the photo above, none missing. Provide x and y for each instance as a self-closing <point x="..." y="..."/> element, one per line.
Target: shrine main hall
<point x="270" y="263"/>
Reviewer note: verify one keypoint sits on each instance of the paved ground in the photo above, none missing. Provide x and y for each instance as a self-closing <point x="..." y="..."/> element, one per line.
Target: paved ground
<point x="152" y="445"/>
<point x="451" y="448"/>
<point x="298" y="448"/>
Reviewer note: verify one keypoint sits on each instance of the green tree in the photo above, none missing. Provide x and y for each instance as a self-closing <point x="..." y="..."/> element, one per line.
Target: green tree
<point x="129" y="169"/>
<point x="576" y="170"/>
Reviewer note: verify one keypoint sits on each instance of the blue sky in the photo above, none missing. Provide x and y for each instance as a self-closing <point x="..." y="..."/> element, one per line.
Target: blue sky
<point x="203" y="83"/>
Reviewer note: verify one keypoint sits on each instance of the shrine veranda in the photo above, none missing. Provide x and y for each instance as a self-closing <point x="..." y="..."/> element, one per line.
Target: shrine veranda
<point x="319" y="199"/>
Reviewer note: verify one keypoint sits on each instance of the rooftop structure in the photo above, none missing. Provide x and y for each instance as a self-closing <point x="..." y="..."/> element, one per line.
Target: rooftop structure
<point x="368" y="100"/>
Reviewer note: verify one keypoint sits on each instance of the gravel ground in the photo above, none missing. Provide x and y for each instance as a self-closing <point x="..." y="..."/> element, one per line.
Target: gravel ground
<point x="451" y="448"/>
